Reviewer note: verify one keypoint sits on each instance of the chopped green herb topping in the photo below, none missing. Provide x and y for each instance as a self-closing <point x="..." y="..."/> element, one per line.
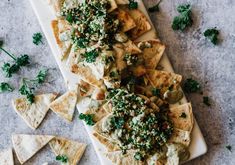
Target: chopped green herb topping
<point x="88" y="118"/>
<point x="62" y="158"/>
<point x="91" y="56"/>
<point x="19" y="62"/>
<point x="183" y="115"/>
<point x="156" y="92"/>
<point x="155" y="7"/>
<point x="37" y="38"/>
<point x="184" y="19"/>
<point x="5" y="87"/>
<point x="212" y="35"/>
<point x="133" y="4"/>
<point x="206" y="101"/>
<point x="191" y="86"/>
<point x="229" y="147"/>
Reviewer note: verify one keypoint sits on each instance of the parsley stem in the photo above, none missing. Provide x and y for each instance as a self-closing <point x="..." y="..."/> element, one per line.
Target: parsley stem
<point x="11" y="55"/>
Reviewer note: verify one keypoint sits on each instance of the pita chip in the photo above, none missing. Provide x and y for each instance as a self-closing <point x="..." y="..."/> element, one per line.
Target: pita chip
<point x="126" y="20"/>
<point x="122" y="2"/>
<point x="6" y="157"/>
<point x="64" y="106"/>
<point x="119" y="159"/>
<point x="26" y="146"/>
<point x="152" y="52"/>
<point x="33" y="114"/>
<point x="142" y="24"/>
<point x="182" y="117"/>
<point x="72" y="149"/>
<point x="180" y="136"/>
<point x="61" y="30"/>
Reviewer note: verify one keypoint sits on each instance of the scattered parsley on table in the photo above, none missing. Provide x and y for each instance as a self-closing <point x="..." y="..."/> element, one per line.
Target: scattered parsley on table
<point x="191" y="86"/>
<point x="183" y="20"/>
<point x="88" y="118"/>
<point x="10" y="69"/>
<point x="155" y="7"/>
<point x="206" y="101"/>
<point x="212" y="35"/>
<point x="133" y="4"/>
<point x="27" y="86"/>
<point x="5" y="87"/>
<point x="62" y="158"/>
<point x="37" y="38"/>
<point x="229" y="147"/>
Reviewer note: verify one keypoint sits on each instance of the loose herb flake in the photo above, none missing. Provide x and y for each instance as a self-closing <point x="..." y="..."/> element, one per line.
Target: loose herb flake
<point x="191" y="86"/>
<point x="206" y="101"/>
<point x="5" y="87"/>
<point x="212" y="35"/>
<point x="91" y="56"/>
<point x="62" y="158"/>
<point x="88" y="118"/>
<point x="133" y="4"/>
<point x="155" y="7"/>
<point x="156" y="92"/>
<point x="183" y="115"/>
<point x="1" y="43"/>
<point x="184" y="19"/>
<point x="37" y="38"/>
<point x="229" y="147"/>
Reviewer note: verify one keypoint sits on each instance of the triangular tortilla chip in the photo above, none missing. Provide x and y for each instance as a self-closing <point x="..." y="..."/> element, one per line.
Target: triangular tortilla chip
<point x="131" y="48"/>
<point x="152" y="52"/>
<point x="33" y="114"/>
<point x="85" y="89"/>
<point x="163" y="80"/>
<point x="182" y="117"/>
<point x="126" y="21"/>
<point x="142" y="23"/>
<point x="118" y="158"/>
<point x="180" y="136"/>
<point x="56" y="5"/>
<point x="26" y="146"/>
<point x="72" y="149"/>
<point x="64" y="106"/>
<point x="6" y="157"/>
<point x="61" y="30"/>
<point x="113" y="5"/>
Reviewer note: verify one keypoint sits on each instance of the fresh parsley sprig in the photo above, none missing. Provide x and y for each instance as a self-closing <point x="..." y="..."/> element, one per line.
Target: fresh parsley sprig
<point x="37" y="38"/>
<point x="27" y="87"/>
<point x="62" y="158"/>
<point x="184" y="19"/>
<point x="19" y="62"/>
<point x="5" y="87"/>
<point x="212" y="35"/>
<point x="155" y="7"/>
<point x="88" y="118"/>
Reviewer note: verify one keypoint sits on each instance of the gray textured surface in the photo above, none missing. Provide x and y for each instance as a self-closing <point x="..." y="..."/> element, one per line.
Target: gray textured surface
<point x="189" y="52"/>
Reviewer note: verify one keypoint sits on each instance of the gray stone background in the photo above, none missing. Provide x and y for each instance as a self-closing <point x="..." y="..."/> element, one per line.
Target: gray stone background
<point x="190" y="53"/>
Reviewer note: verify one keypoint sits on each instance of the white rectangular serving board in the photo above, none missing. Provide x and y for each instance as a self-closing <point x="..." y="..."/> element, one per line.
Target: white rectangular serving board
<point x="45" y="15"/>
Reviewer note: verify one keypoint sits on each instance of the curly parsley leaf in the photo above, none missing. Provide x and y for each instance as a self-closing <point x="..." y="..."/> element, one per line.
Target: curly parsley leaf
<point x="10" y="69"/>
<point x="191" y="86"/>
<point x="206" y="101"/>
<point x="88" y="118"/>
<point x="41" y="76"/>
<point x="117" y="122"/>
<point x="183" y="20"/>
<point x="212" y="35"/>
<point x="155" y="7"/>
<point x="37" y="38"/>
<point x="133" y="4"/>
<point x="5" y="87"/>
<point x="27" y="91"/>
<point x="62" y="158"/>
